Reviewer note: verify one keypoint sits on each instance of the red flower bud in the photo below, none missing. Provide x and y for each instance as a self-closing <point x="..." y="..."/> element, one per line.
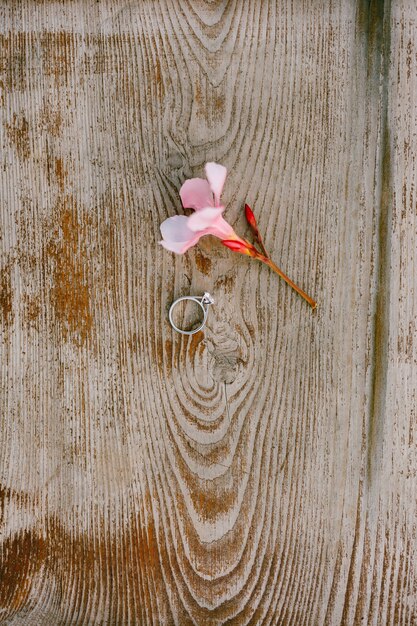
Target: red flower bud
<point x="243" y="247"/>
<point x="254" y="226"/>
<point x="251" y="218"/>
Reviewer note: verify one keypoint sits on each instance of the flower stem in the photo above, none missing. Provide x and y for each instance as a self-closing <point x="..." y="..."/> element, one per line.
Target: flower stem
<point x="289" y="282"/>
<point x="261" y="243"/>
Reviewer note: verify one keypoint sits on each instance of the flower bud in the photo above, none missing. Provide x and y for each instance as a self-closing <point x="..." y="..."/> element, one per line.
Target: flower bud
<point x="239" y="246"/>
<point x="251" y="218"/>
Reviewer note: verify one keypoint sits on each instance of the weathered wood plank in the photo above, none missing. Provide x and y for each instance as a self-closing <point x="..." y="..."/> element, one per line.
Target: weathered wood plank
<point x="261" y="472"/>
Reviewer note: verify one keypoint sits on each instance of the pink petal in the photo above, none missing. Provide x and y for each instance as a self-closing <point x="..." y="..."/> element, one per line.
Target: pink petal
<point x="211" y="223"/>
<point x="216" y="176"/>
<point x="204" y="218"/>
<point x="176" y="228"/>
<point x="179" y="247"/>
<point x="196" y="194"/>
<point x="222" y="229"/>
<point x="176" y="234"/>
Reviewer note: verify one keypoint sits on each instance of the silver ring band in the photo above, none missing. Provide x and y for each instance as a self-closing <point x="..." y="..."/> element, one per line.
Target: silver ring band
<point x="203" y="302"/>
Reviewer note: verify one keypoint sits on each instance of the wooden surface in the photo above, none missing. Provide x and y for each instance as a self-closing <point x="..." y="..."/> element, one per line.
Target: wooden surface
<point x="264" y="470"/>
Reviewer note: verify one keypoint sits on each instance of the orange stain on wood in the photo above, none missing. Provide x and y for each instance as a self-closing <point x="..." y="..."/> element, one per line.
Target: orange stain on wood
<point x="83" y="561"/>
<point x="60" y="173"/>
<point x="220" y="104"/>
<point x="6" y="296"/>
<point x="195" y="343"/>
<point x="58" y="50"/>
<point x="211" y="505"/>
<point x="167" y="354"/>
<point x="13" y="61"/>
<point x="209" y="498"/>
<point x="51" y="120"/>
<point x="21" y="558"/>
<point x="203" y="262"/>
<point x="32" y="309"/>
<point x="18" y="135"/>
<point x="148" y="546"/>
<point x="70" y="292"/>
<point x="198" y="96"/>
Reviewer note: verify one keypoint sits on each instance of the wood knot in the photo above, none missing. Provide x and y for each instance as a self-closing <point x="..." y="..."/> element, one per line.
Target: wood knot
<point x="225" y="367"/>
<point x="225" y="355"/>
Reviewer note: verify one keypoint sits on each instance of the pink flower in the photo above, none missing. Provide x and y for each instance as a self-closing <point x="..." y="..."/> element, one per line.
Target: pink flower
<point x="179" y="233"/>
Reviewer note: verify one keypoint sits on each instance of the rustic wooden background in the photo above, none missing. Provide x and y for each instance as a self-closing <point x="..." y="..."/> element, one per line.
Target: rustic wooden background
<point x="263" y="471"/>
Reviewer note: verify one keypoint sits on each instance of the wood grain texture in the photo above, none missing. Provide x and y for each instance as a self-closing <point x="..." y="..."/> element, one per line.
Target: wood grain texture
<point x="260" y="472"/>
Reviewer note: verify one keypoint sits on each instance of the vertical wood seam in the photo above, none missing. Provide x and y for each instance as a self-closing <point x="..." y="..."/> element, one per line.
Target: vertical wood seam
<point x="379" y="54"/>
